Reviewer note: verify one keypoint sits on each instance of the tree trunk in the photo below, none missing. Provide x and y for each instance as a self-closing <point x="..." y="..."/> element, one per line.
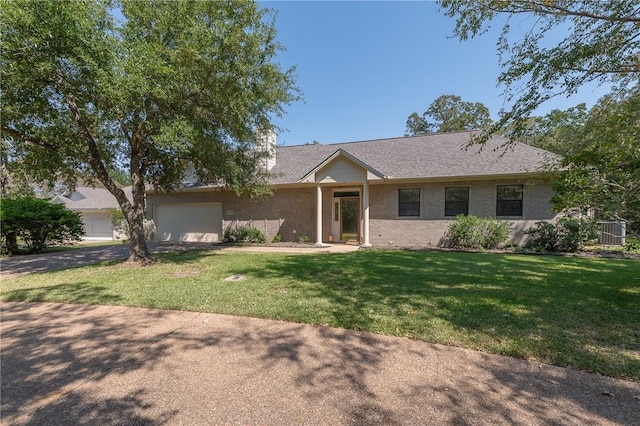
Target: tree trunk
<point x="11" y="241"/>
<point x="138" y="251"/>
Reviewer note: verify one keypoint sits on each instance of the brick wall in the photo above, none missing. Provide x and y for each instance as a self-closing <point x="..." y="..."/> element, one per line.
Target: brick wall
<point x="291" y="212"/>
<point x="427" y="229"/>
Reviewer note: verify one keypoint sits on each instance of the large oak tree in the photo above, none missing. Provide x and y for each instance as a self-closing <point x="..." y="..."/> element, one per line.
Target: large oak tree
<point x="156" y="87"/>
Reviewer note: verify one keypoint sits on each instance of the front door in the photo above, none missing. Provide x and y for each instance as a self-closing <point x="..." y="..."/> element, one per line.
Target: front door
<point x="349" y="218"/>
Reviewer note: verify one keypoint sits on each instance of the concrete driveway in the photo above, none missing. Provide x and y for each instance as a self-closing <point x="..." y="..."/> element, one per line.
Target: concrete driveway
<point x="85" y="365"/>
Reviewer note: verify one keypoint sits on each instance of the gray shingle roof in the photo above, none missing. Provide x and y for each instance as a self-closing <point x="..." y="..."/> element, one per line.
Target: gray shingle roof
<point x="443" y="155"/>
<point x="88" y="198"/>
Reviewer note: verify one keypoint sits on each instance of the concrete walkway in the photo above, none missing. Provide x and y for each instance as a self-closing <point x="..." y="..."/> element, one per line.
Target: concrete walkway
<point x="20" y="265"/>
<point x="86" y="365"/>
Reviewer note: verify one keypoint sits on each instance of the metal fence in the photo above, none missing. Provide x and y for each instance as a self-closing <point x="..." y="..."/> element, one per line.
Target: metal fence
<point x="612" y="233"/>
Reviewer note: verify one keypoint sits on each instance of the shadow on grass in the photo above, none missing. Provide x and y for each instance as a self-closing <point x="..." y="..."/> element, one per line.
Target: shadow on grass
<point x="563" y="311"/>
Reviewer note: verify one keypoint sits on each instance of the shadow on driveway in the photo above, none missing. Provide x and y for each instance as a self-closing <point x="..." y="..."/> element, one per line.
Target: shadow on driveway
<point x="20" y="265"/>
<point x="83" y="365"/>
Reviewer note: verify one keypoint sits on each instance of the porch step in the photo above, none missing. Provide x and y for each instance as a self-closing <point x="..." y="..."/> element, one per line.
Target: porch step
<point x="352" y="242"/>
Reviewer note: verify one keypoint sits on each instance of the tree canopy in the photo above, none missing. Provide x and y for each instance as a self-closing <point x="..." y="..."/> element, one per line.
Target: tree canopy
<point x="449" y="113"/>
<point x="600" y="42"/>
<point x="558" y="131"/>
<point x="602" y="173"/>
<point x="156" y="87"/>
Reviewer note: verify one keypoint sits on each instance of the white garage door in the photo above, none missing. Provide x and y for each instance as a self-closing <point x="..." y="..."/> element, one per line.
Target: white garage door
<point x="189" y="222"/>
<point x="97" y="225"/>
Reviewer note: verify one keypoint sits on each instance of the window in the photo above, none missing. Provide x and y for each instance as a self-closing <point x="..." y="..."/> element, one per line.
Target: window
<point x="509" y="200"/>
<point x="456" y="201"/>
<point x="409" y="202"/>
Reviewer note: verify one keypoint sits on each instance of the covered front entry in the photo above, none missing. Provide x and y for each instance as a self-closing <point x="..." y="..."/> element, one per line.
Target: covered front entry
<point x="348" y="179"/>
<point x="346" y="216"/>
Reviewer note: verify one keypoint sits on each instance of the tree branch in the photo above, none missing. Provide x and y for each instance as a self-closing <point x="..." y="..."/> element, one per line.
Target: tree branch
<point x="95" y="159"/>
<point x="16" y="134"/>
<point x="552" y="9"/>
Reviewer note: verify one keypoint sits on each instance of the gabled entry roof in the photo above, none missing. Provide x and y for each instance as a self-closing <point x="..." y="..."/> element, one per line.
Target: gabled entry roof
<point x="443" y="155"/>
<point x="371" y="172"/>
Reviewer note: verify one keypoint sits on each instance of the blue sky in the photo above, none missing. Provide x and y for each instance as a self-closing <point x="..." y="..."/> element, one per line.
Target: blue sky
<point x="363" y="67"/>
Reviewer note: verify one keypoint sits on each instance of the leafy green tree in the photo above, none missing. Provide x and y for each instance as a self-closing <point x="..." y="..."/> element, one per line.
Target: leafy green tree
<point x="558" y="131"/>
<point x="161" y="87"/>
<point x="603" y="173"/>
<point x="37" y="222"/>
<point x="601" y="44"/>
<point x="449" y="113"/>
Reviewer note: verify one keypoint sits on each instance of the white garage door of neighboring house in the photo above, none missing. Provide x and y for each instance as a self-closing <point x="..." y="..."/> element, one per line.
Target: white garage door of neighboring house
<point x="97" y="225"/>
<point x="189" y="222"/>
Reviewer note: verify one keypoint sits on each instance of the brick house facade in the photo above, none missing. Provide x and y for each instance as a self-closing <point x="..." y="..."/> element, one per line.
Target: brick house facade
<point x="401" y="191"/>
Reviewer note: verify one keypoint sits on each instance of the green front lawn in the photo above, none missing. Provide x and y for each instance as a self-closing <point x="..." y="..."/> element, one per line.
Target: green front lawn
<point x="567" y="311"/>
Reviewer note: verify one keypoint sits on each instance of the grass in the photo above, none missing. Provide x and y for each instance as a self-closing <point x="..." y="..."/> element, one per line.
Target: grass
<point x="567" y="311"/>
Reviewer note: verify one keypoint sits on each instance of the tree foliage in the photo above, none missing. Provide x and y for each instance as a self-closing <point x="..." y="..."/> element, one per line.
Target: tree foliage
<point x="600" y="43"/>
<point x="558" y="131"/>
<point x="449" y="113"/>
<point x="38" y="223"/>
<point x="602" y="174"/>
<point x="173" y="85"/>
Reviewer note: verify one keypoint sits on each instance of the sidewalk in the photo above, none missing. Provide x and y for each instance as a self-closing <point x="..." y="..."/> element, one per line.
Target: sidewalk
<point x="81" y="365"/>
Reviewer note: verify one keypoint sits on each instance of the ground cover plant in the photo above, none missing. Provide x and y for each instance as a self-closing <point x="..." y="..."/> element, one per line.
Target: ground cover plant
<point x="567" y="311"/>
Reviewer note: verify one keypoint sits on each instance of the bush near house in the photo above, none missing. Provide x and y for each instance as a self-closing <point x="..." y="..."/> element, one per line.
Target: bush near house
<point x="569" y="234"/>
<point x="38" y="223"/>
<point x="121" y="226"/>
<point x="304" y="239"/>
<point x="243" y="234"/>
<point x="476" y="233"/>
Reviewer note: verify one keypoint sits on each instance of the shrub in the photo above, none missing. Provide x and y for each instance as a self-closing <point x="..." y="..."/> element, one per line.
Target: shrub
<point x="574" y="233"/>
<point x="276" y="238"/>
<point x="121" y="226"/>
<point x="632" y="246"/>
<point x="478" y="233"/>
<point x="569" y="234"/>
<point x="304" y="239"/>
<point x="38" y="223"/>
<point x="243" y="234"/>
<point x="542" y="236"/>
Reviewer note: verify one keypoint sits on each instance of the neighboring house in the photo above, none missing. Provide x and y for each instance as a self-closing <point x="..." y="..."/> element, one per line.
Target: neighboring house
<point x="93" y="204"/>
<point x="401" y="191"/>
